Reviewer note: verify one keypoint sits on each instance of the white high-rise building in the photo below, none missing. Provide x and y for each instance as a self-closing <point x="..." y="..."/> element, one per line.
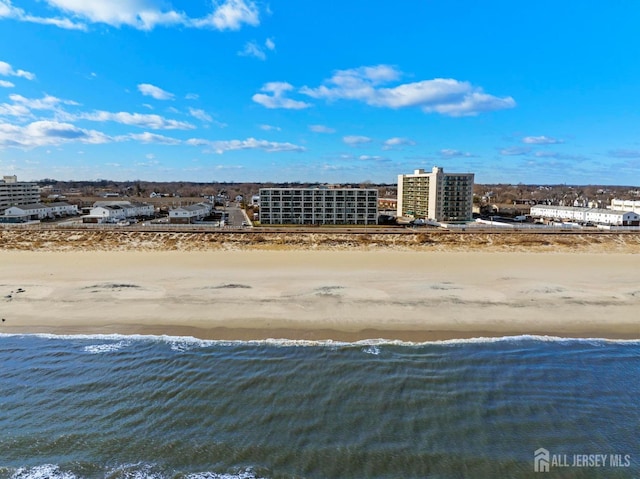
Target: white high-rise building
<point x="17" y="193"/>
<point x="437" y="195"/>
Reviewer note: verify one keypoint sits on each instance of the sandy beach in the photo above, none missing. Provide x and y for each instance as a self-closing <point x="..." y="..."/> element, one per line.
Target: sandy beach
<point x="296" y="294"/>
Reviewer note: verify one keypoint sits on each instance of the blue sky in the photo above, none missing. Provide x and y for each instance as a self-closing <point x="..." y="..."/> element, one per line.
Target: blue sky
<point x="333" y="91"/>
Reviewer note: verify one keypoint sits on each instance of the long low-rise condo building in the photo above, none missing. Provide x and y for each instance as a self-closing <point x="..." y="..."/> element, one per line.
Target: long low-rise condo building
<point x="114" y="211"/>
<point x="190" y="214"/>
<point x="598" y="216"/>
<point x="318" y="206"/>
<point x="39" y="211"/>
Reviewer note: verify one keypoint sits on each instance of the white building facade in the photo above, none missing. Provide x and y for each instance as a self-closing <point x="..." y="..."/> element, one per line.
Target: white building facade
<point x="598" y="216"/>
<point x="319" y="206"/>
<point x="114" y="211"/>
<point x="190" y="214"/>
<point x="40" y="211"/>
<point x="436" y="195"/>
<point x="626" y="205"/>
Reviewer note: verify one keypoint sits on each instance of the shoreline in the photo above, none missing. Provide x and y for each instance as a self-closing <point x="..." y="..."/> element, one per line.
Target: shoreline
<point x="368" y="336"/>
<point x="321" y="295"/>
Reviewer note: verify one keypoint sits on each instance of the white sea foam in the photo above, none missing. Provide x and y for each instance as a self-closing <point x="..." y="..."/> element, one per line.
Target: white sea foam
<point x="246" y="474"/>
<point x="45" y="471"/>
<point x="107" y="347"/>
<point x="375" y="350"/>
<point x="135" y="471"/>
<point x="125" y="471"/>
<point x="185" y="343"/>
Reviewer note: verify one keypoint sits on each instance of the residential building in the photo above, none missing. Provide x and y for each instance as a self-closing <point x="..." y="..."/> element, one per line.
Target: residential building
<point x="318" y="206"/>
<point x="114" y="211"/>
<point x="388" y="203"/>
<point x="16" y="193"/>
<point x="39" y="211"/>
<point x="439" y="196"/>
<point x="598" y="216"/>
<point x="190" y="214"/>
<point x="626" y="205"/>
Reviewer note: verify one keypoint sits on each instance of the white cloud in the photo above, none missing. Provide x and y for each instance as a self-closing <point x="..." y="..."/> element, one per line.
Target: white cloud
<point x="541" y="140"/>
<point x="321" y="129"/>
<point x="472" y="104"/>
<point x="515" y="151"/>
<point x="222" y="146"/>
<point x="354" y="140"/>
<point x="22" y="106"/>
<point x="6" y="84"/>
<point x="442" y="95"/>
<point x="376" y="158"/>
<point x="451" y="153"/>
<point x="7" y="70"/>
<point x="397" y="143"/>
<point x="9" y="11"/>
<point x="191" y="96"/>
<point x="273" y="97"/>
<point x="47" y="102"/>
<point x="154" y="91"/>
<point x="6" y="9"/>
<point x="251" y="49"/>
<point x="200" y="115"/>
<point x="20" y="111"/>
<point x="141" y="14"/>
<point x="147" y="137"/>
<point x="270" y="128"/>
<point x="230" y="15"/>
<point x="47" y="133"/>
<point x="155" y="122"/>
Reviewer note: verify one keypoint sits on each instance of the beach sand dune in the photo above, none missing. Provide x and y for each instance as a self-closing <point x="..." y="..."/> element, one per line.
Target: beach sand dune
<point x="337" y="295"/>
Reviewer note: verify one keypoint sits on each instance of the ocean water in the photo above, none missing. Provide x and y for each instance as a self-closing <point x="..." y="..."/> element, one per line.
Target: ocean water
<point x="119" y="407"/>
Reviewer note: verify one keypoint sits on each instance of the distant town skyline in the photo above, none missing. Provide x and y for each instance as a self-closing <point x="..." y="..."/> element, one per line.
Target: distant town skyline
<point x="242" y="90"/>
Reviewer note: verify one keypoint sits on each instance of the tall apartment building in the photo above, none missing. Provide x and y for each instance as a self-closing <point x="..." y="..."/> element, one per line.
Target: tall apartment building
<point x="312" y="206"/>
<point x="437" y="195"/>
<point x="17" y="193"/>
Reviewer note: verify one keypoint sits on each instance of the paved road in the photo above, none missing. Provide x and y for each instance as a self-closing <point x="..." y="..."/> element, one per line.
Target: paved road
<point x="235" y="216"/>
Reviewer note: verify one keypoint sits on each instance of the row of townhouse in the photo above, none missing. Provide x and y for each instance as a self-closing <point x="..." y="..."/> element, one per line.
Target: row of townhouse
<point x="190" y="214"/>
<point x="39" y="211"/>
<point x="597" y="216"/>
<point x="115" y="211"/>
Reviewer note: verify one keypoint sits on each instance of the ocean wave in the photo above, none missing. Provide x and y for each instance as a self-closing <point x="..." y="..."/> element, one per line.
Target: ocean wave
<point x="375" y="350"/>
<point x="45" y="471"/>
<point x="106" y="347"/>
<point x="186" y="343"/>
<point x="126" y="471"/>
